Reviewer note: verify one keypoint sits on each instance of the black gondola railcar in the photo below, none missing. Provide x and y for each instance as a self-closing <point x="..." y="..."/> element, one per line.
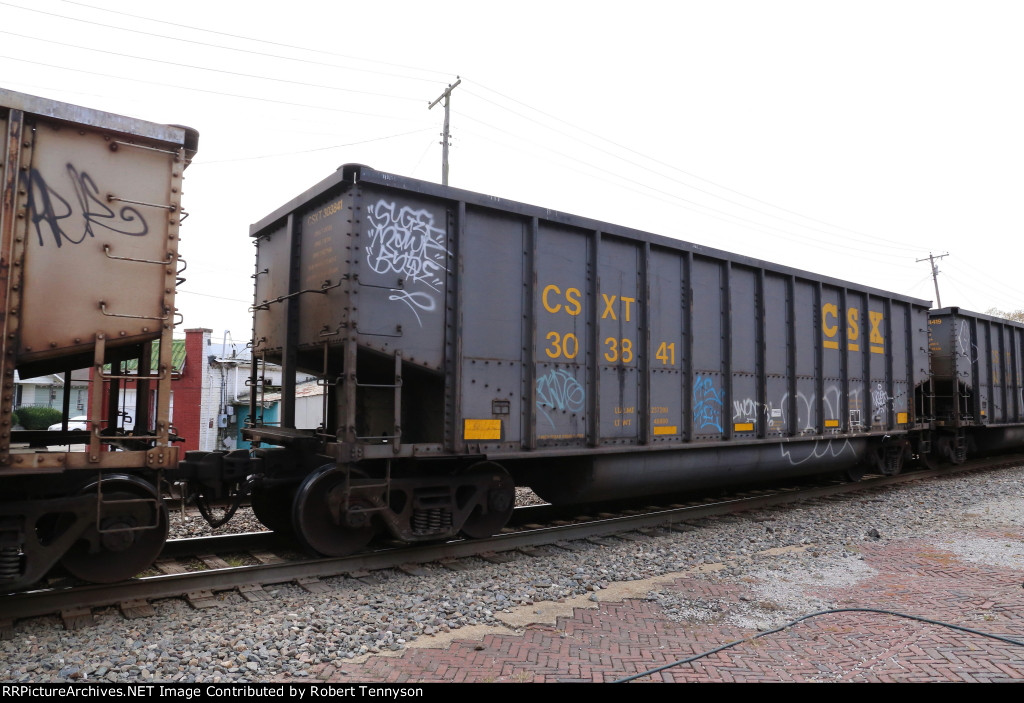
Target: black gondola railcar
<point x="468" y="344"/>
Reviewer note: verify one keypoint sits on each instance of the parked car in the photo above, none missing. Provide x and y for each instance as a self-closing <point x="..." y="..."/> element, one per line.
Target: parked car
<point x="79" y="422"/>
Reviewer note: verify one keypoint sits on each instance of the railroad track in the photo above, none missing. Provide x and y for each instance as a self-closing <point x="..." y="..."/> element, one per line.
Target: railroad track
<point x="196" y="569"/>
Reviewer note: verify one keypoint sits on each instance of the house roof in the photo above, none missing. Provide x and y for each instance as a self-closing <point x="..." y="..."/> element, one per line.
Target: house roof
<point x="177" y="357"/>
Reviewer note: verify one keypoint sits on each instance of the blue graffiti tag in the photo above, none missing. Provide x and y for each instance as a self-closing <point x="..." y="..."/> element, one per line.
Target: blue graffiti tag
<point x="558" y="390"/>
<point x="707" y="404"/>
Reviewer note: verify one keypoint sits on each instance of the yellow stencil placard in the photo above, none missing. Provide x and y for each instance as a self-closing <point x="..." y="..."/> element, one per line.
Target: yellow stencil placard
<point x="666" y="429"/>
<point x="902" y="418"/>
<point x="743" y="427"/>
<point x="831" y="423"/>
<point x="482" y="429"/>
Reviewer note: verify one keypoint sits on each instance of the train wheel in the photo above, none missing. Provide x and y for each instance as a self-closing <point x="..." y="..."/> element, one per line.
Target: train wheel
<point x="321" y="522"/>
<point x="497" y="505"/>
<point x="131" y="533"/>
<point x="274" y="508"/>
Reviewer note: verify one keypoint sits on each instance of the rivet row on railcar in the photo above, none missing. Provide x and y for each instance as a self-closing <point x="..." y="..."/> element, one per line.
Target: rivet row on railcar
<point x="89" y="226"/>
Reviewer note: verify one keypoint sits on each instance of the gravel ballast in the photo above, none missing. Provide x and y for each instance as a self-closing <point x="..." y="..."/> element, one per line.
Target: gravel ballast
<point x="293" y="633"/>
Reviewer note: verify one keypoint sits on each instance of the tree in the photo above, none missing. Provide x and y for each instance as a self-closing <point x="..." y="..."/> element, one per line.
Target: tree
<point x="1016" y="315"/>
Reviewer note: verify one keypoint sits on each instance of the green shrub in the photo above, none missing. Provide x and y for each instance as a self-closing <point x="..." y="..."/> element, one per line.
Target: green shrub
<point x="33" y="418"/>
<point x="15" y="421"/>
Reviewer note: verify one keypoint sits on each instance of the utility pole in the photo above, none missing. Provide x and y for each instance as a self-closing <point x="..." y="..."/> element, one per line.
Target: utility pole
<point x="446" y="96"/>
<point x="935" y="274"/>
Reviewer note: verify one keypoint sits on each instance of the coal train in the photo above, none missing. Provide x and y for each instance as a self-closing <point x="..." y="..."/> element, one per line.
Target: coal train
<point x="465" y="345"/>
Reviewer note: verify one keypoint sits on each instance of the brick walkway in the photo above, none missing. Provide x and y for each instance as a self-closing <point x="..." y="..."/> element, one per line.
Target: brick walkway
<point x="613" y="639"/>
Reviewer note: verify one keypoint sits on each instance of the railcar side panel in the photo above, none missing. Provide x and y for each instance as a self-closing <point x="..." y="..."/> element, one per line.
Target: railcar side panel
<point x="668" y="346"/>
<point x="562" y="307"/>
<point x="498" y="332"/>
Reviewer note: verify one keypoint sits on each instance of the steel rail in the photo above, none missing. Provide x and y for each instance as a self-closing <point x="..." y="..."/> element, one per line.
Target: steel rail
<point x="66" y="599"/>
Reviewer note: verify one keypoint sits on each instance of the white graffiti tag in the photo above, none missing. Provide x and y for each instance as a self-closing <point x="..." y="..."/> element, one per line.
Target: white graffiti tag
<point x="806" y="411"/>
<point x="965" y="347"/>
<point x="744" y="410"/>
<point x="879" y="403"/>
<point x="817" y="450"/>
<point x="406" y="241"/>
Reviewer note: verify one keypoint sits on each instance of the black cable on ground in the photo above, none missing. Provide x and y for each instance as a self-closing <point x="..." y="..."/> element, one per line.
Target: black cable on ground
<point x="813" y="615"/>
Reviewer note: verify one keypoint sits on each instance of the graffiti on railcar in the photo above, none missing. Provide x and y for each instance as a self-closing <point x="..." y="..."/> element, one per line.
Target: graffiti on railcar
<point x="880" y="400"/>
<point x="558" y="390"/>
<point x="707" y="404"/>
<point x="797" y="454"/>
<point x="405" y="241"/>
<point x="72" y="219"/>
<point x="965" y="347"/>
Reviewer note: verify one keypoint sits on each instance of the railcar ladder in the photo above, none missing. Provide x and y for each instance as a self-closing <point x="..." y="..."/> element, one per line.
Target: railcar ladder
<point x="395" y="438"/>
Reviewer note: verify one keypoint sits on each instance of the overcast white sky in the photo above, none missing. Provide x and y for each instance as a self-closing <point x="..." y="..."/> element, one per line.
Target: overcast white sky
<point x="846" y="138"/>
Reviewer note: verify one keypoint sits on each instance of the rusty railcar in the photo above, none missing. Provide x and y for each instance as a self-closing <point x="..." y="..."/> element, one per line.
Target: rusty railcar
<point x="88" y="267"/>
<point x="467" y="343"/>
<point x="976" y="391"/>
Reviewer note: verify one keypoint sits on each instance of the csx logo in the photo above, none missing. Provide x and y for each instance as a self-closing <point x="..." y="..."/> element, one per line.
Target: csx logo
<point x="830" y="329"/>
<point x="555" y="301"/>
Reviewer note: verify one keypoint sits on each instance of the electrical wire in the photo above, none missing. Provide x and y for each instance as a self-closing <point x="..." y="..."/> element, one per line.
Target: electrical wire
<point x="675" y="200"/>
<point x="252" y="39"/>
<point x="310" y="151"/>
<point x="833" y="243"/>
<point x="833" y="611"/>
<point x="237" y="74"/>
<point x="216" y="46"/>
<point x="217" y="92"/>
<point x="577" y="129"/>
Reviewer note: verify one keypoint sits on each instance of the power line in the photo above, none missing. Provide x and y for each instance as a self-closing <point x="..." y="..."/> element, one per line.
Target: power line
<point x="215" y="46"/>
<point x="245" y="38"/>
<point x="577" y="128"/>
<point x="208" y="91"/>
<point x="213" y="70"/>
<point x="310" y="151"/>
<point x="870" y="238"/>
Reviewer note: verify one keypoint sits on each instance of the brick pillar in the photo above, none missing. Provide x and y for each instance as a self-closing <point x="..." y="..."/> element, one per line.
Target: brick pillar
<point x="190" y="391"/>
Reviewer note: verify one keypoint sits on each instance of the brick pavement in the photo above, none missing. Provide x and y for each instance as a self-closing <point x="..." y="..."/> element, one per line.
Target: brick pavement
<point x="623" y="635"/>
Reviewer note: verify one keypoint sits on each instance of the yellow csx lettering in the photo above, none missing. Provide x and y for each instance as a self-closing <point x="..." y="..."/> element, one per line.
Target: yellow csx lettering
<point x="625" y="306"/>
<point x="551" y="298"/>
<point x="830" y="328"/>
<point x="571" y="302"/>
<point x="877" y="339"/>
